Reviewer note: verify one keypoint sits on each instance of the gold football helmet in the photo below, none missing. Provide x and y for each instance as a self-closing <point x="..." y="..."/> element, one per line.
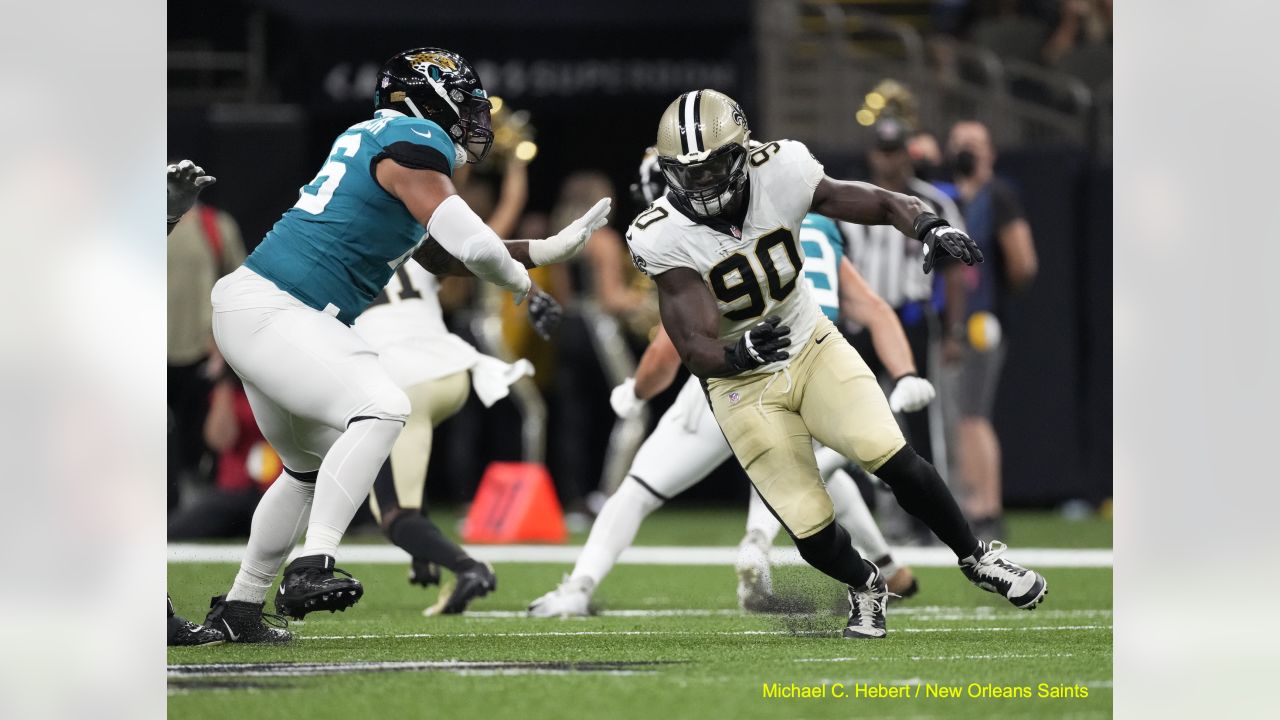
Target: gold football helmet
<point x="702" y="149"/>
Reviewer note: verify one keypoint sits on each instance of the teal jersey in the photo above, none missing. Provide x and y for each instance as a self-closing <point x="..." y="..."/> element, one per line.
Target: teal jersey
<point x="823" y="248"/>
<point x="337" y="247"/>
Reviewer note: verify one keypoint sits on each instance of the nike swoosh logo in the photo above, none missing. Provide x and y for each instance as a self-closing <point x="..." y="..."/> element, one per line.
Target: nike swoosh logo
<point x="824" y="337"/>
<point x="234" y="637"/>
<point x="427" y="134"/>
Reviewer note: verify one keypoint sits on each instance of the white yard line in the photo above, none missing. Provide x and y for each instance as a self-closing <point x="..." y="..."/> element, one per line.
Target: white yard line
<point x="583" y="633"/>
<point x="925" y="613"/>
<point x="650" y="555"/>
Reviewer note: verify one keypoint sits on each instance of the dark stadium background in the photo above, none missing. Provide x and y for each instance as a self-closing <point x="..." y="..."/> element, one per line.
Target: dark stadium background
<point x="596" y="76"/>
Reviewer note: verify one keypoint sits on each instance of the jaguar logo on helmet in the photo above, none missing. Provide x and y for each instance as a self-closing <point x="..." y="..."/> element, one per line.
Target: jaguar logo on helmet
<point x="423" y="61"/>
<point x="441" y="86"/>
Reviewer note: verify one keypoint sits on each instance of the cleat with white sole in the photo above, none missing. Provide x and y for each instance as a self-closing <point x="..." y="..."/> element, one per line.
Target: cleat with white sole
<point x="572" y="598"/>
<point x="988" y="569"/>
<point x="866" y="609"/>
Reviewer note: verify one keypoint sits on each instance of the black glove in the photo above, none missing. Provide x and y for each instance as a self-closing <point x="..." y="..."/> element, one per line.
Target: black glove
<point x="761" y="345"/>
<point x="936" y="234"/>
<point x="544" y="313"/>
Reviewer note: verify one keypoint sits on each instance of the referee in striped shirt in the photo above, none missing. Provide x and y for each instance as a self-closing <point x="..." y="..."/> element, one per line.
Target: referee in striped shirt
<point x="891" y="262"/>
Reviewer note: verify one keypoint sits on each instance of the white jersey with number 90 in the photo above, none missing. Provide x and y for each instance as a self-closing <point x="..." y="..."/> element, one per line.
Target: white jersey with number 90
<point x="756" y="271"/>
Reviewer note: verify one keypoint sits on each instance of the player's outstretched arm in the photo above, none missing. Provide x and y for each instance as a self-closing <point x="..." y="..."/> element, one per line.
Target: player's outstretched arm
<point x="861" y="304"/>
<point x="655" y="372"/>
<point x="657" y="367"/>
<point x="430" y="197"/>
<point x="868" y="204"/>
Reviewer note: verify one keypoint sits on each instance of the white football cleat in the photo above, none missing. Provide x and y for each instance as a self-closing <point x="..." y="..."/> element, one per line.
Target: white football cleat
<point x="990" y="571"/>
<point x="755" y="578"/>
<point x="571" y="599"/>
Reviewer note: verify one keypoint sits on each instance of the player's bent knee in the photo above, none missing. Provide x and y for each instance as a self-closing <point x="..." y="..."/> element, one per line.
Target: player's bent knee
<point x="638" y="494"/>
<point x="390" y="403"/>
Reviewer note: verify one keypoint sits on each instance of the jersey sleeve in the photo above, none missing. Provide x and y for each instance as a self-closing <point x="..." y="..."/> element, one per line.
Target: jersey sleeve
<point x="416" y="143"/>
<point x="801" y="163"/>
<point x="651" y="252"/>
<point x="793" y="175"/>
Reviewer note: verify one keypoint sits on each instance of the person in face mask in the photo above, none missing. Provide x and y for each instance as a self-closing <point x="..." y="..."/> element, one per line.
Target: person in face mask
<point x="975" y="303"/>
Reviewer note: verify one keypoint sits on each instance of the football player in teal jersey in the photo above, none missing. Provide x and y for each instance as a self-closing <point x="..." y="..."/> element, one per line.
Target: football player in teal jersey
<point x="282" y="320"/>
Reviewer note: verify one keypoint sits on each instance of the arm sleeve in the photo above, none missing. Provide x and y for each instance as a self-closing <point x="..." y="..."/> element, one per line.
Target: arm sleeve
<point x="465" y="236"/>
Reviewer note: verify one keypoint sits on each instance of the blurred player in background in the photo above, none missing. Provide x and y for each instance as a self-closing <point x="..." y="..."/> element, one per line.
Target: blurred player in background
<point x="721" y="247"/>
<point x="437" y="370"/>
<point x="282" y="321"/>
<point x="975" y="307"/>
<point x="183" y="184"/>
<point x="687" y="444"/>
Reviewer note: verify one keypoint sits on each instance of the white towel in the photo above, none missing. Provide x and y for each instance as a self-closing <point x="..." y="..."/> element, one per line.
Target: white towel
<point x="492" y="378"/>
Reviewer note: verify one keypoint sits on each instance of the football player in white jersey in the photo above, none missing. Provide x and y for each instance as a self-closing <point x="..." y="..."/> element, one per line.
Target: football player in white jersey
<point x="721" y="247"/>
<point x="437" y="370"/>
<point x="687" y="444"/>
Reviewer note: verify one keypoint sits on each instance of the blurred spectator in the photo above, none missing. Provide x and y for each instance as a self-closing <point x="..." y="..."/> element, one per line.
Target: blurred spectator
<point x="246" y="467"/>
<point x="204" y="246"/>
<point x="890" y="262"/>
<point x="928" y="163"/>
<point x="593" y="351"/>
<point x="975" y="304"/>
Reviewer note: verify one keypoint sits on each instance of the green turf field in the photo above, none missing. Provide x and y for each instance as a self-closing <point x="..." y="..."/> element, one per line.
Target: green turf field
<point x="686" y="653"/>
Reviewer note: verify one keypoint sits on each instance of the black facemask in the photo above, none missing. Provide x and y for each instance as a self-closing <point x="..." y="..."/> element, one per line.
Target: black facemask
<point x="964" y="163"/>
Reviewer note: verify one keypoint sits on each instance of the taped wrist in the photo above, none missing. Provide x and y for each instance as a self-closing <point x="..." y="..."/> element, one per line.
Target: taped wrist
<point x="465" y="236"/>
<point x="925" y="222"/>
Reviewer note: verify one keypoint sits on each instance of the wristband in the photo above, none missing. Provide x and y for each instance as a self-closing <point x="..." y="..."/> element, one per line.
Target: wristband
<point x="925" y="222"/>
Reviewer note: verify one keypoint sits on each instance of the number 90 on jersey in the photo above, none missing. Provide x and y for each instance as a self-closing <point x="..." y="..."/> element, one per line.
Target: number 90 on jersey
<point x="735" y="280"/>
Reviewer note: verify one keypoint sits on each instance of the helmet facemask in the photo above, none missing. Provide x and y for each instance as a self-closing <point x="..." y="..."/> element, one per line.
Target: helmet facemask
<point x="474" y="131"/>
<point x="710" y="185"/>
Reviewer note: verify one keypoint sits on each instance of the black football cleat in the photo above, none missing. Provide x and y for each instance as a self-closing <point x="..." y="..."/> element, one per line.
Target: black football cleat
<point x="244" y="622"/>
<point x="309" y="585"/>
<point x="866" y="609"/>
<point x="184" y="633"/>
<point x="991" y="572"/>
<point x="474" y="582"/>
<point x="424" y="573"/>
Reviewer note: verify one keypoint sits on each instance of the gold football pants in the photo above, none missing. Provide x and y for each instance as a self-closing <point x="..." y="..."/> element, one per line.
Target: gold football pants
<point x="826" y="393"/>
<point x="432" y="402"/>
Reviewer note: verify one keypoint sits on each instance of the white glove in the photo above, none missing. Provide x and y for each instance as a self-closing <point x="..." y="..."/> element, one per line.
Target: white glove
<point x="624" y="400"/>
<point x="185" y="181"/>
<point x="910" y="394"/>
<point x="570" y="241"/>
<point x="525" y="284"/>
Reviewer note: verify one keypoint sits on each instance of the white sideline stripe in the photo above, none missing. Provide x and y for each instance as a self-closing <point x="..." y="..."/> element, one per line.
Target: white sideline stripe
<point x="927" y="613"/>
<point x="935" y="657"/>
<point x="652" y="555"/>
<point x="578" y="633"/>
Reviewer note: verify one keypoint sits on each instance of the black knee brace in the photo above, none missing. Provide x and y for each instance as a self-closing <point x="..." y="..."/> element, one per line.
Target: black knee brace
<point x="921" y="492"/>
<point x="831" y="551"/>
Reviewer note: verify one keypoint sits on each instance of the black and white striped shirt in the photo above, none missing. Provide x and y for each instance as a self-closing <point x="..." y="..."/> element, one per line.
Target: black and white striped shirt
<point x="890" y="261"/>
